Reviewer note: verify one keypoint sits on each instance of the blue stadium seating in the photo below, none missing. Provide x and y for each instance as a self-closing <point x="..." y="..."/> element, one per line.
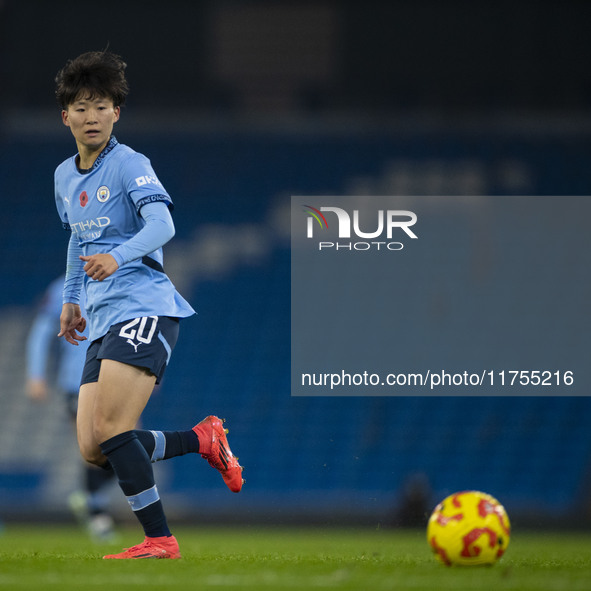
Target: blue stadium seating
<point x="233" y="359"/>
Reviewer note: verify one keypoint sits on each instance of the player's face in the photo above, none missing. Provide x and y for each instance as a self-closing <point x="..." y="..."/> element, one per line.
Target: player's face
<point x="91" y="121"/>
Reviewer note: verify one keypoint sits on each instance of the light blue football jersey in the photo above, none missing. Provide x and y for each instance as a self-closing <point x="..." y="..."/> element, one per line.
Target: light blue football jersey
<point x="41" y="343"/>
<point x="101" y="208"/>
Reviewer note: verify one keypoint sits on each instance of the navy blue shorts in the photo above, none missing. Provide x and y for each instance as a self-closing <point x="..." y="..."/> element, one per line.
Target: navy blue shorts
<point x="145" y="342"/>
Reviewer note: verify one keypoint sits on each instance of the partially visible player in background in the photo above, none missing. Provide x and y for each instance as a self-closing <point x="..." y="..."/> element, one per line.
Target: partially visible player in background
<point x="53" y="361"/>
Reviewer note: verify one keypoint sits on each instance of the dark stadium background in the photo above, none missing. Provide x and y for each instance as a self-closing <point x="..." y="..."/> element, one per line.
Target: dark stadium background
<point x="240" y="105"/>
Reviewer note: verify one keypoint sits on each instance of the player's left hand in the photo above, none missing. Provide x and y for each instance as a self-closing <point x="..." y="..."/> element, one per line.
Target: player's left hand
<point x="99" y="266"/>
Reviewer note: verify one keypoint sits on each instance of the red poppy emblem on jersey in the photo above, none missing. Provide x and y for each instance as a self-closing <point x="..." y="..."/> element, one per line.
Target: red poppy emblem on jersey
<point x="83" y="199"/>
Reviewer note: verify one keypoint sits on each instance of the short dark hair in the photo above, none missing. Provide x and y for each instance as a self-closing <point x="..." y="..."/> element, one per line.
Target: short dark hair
<point x="98" y="73"/>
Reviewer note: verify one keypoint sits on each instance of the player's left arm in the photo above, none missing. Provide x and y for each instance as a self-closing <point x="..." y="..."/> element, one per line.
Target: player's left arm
<point x="71" y="320"/>
<point x="159" y="229"/>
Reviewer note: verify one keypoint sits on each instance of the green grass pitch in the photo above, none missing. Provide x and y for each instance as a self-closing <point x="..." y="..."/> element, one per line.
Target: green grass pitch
<point x="264" y="559"/>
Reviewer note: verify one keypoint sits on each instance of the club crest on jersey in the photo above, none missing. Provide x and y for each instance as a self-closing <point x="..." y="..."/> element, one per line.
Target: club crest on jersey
<point x="83" y="199"/>
<point x="103" y="193"/>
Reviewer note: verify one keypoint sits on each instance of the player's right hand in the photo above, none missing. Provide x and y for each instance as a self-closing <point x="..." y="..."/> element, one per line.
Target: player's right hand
<point x="72" y="323"/>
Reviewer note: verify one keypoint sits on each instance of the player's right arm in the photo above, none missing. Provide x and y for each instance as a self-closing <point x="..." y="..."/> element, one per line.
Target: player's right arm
<point x="71" y="320"/>
<point x="37" y="352"/>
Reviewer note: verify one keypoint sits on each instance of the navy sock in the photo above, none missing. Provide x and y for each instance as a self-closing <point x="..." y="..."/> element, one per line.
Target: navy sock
<point x="96" y="481"/>
<point x="106" y="466"/>
<point x="133" y="468"/>
<point x="162" y="445"/>
<point x="95" y="478"/>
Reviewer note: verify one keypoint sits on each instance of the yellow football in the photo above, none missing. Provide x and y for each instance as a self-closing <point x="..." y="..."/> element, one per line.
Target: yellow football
<point x="469" y="528"/>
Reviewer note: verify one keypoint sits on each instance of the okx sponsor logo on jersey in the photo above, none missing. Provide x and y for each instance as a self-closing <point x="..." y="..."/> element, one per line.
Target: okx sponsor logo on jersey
<point x="147" y="179"/>
<point x="367" y="228"/>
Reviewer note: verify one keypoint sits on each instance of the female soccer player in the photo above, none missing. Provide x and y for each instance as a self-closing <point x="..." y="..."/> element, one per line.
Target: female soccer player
<point x="118" y="213"/>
